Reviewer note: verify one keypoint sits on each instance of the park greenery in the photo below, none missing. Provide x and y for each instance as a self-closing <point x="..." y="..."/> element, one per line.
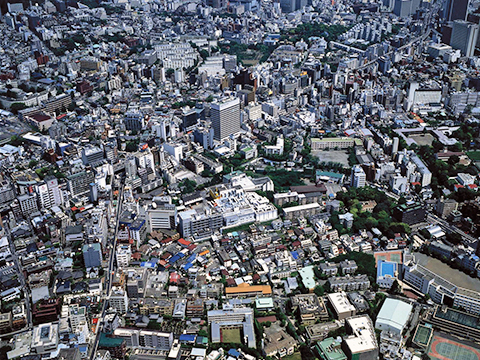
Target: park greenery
<point x="444" y="172"/>
<point x="365" y="262"/>
<point x="283" y="179"/>
<point x="306" y="31"/>
<point x="187" y="186"/>
<point x="287" y="148"/>
<point x="381" y="217"/>
<point x="244" y="52"/>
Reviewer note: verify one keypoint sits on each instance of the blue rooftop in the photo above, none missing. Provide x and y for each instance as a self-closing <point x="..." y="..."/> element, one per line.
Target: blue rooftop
<point x="234" y="353"/>
<point x="148" y="264"/>
<point x="187" y="338"/>
<point x="294" y="255"/>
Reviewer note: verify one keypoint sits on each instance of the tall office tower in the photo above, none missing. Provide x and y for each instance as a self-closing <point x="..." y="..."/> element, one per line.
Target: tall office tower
<point x="225" y="118"/>
<point x="287" y="6"/>
<point x="216" y="3"/>
<point x="464" y="37"/>
<point x="405" y="8"/>
<point x="455" y="10"/>
<point x="359" y="178"/>
<point x="396" y="141"/>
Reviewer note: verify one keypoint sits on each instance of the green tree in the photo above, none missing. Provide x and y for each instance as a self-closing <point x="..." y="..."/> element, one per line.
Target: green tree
<point x="131" y="146"/>
<point x="188" y="186"/>
<point x="203" y="333"/>
<point x="453" y="160"/>
<point x="203" y="53"/>
<point x="16" y="107"/>
<point x="319" y="290"/>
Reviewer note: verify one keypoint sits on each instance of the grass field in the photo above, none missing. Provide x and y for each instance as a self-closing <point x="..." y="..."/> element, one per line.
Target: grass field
<point x="474" y="155"/>
<point x="231" y="336"/>
<point x="294" y="356"/>
<point x="446" y="349"/>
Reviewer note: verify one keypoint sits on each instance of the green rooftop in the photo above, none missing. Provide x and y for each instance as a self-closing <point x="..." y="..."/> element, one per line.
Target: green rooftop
<point x="308" y="277"/>
<point x="412" y="206"/>
<point x="264" y="303"/>
<point x="232" y="174"/>
<point x="330" y="349"/>
<point x="329" y="174"/>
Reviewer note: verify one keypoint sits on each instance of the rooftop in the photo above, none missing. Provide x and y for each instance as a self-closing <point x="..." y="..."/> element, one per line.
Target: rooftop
<point x="245" y="287"/>
<point x="395" y="313"/>
<point x="330" y="349"/>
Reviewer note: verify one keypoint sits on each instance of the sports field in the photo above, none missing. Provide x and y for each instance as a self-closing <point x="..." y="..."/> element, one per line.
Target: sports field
<point x="394" y="256"/>
<point x="422" y="335"/>
<point x="442" y="348"/>
<point x="231" y="336"/>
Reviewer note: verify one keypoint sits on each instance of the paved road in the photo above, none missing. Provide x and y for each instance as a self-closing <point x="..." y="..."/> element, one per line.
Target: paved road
<point x="21" y="278"/>
<point x="388" y="193"/>
<point x="417" y="39"/>
<point x="109" y="276"/>
<point x="452" y="228"/>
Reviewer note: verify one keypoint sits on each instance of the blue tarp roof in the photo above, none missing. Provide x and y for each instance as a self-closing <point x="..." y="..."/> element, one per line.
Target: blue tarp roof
<point x="187" y="337"/>
<point x="294" y="255"/>
<point x="187" y="266"/>
<point x="234" y="353"/>
<point x="148" y="264"/>
<point x="174" y="259"/>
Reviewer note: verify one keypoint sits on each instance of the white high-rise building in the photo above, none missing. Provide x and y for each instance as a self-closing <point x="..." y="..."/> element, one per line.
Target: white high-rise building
<point x="225" y="118"/>
<point x="145" y="159"/>
<point x="131" y="167"/>
<point x="91" y="155"/>
<point x="78" y="318"/>
<point x="119" y="300"/>
<point x="359" y="178"/>
<point x="50" y="194"/>
<point x="163" y="127"/>
<point x="123" y="255"/>
<point x="396" y="141"/>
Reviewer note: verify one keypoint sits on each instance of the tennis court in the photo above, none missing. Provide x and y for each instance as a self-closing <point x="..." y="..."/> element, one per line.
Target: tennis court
<point x="394" y="256"/>
<point x="423" y="335"/>
<point x="442" y="348"/>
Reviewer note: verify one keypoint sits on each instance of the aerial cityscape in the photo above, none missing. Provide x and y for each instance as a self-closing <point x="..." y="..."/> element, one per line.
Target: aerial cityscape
<point x="240" y="179"/>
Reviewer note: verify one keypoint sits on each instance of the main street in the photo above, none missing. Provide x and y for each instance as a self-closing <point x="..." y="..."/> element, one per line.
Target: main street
<point x="110" y="272"/>
<point x="21" y="278"/>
